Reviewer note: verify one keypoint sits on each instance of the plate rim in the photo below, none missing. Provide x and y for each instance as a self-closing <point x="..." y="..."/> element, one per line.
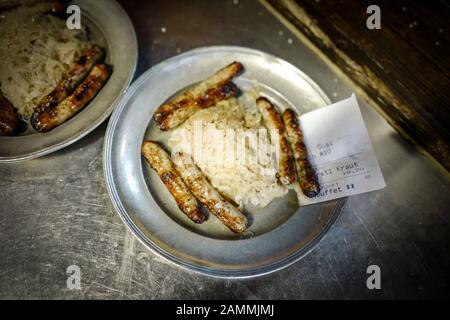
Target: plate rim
<point x="250" y="273"/>
<point x="94" y="125"/>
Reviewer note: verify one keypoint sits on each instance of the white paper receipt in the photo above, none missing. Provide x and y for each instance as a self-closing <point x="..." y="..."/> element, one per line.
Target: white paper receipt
<point x="340" y="150"/>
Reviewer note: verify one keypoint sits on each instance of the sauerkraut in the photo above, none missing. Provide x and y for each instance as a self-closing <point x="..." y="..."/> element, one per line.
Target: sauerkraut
<point x="36" y="49"/>
<point x="232" y="147"/>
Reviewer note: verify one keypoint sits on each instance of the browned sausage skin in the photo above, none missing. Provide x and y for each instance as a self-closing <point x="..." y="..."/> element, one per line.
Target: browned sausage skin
<point x="177" y="115"/>
<point x="162" y="164"/>
<point x="73" y="78"/>
<point x="9" y="122"/>
<point x="207" y="195"/>
<point x="203" y="95"/>
<point x="273" y="122"/>
<point x="309" y="182"/>
<point x="50" y="118"/>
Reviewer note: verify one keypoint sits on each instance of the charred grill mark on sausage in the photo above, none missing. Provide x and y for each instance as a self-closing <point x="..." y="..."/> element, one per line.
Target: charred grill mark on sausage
<point x="207" y="195"/>
<point x="50" y="118"/>
<point x="160" y="161"/>
<point x="205" y="94"/>
<point x="308" y="180"/>
<point x="273" y="122"/>
<point x="183" y="110"/>
<point x="69" y="82"/>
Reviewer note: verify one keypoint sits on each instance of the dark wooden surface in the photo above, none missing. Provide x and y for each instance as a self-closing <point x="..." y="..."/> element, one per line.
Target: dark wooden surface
<point x="402" y="67"/>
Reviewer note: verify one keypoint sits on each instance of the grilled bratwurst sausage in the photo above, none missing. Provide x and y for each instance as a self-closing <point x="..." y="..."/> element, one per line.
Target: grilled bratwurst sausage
<point x="273" y="122"/>
<point x="307" y="176"/>
<point x="203" y="95"/>
<point x="162" y="164"/>
<point x="70" y="81"/>
<point x="50" y="118"/>
<point x="186" y="108"/>
<point x="9" y="122"/>
<point x="207" y="195"/>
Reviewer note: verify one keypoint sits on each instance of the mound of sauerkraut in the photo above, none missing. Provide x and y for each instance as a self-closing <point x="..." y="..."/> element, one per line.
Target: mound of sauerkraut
<point x="36" y="49"/>
<point x="232" y="147"/>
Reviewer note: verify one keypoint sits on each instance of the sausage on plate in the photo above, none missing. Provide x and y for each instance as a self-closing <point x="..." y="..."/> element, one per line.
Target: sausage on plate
<point x="71" y="80"/>
<point x="203" y="95"/>
<point x="308" y="180"/>
<point x="207" y="195"/>
<point x="162" y="164"/>
<point x="49" y="118"/>
<point x="274" y="123"/>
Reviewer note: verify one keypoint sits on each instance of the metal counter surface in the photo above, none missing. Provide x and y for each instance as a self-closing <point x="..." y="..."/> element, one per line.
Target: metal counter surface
<point x="55" y="210"/>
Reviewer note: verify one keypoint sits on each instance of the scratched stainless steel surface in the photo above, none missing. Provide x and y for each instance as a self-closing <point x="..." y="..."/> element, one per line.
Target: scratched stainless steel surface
<point x="55" y="210"/>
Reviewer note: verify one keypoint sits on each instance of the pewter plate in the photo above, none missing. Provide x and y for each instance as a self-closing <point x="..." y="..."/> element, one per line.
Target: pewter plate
<point x="279" y="234"/>
<point x="111" y="28"/>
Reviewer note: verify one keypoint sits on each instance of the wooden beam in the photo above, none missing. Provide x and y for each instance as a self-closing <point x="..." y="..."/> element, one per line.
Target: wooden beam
<point x="401" y="69"/>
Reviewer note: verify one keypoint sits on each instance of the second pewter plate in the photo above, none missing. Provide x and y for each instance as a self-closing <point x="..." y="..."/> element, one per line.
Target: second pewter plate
<point x="110" y="27"/>
<point x="279" y="235"/>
